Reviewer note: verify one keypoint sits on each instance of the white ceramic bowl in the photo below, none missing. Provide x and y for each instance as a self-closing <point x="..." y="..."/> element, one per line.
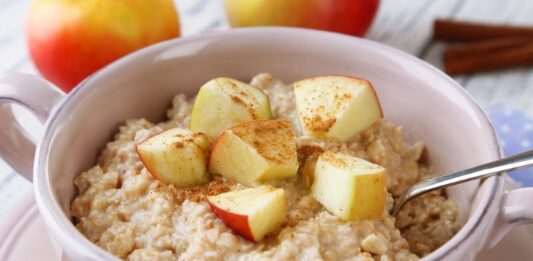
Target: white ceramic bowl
<point x="427" y="103"/>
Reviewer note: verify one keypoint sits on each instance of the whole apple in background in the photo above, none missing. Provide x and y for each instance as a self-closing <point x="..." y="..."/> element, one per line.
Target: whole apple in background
<point x="344" y="16"/>
<point x="69" y="40"/>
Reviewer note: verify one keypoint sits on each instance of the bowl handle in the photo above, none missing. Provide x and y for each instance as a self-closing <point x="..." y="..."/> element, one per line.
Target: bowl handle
<point x="35" y="94"/>
<point x="515" y="209"/>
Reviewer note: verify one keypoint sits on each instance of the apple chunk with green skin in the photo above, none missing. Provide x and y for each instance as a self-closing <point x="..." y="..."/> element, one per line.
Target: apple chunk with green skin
<point x="176" y="156"/>
<point x="349" y="187"/>
<point x="223" y="102"/>
<point x="336" y="106"/>
<point x="255" y="151"/>
<point x="251" y="213"/>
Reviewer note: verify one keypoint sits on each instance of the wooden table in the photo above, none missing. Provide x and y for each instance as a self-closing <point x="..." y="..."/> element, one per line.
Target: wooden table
<point x="404" y="24"/>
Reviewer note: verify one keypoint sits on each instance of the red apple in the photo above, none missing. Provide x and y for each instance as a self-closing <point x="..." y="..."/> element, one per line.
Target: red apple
<point x="251" y="213"/>
<point x="344" y="16"/>
<point x="69" y="40"/>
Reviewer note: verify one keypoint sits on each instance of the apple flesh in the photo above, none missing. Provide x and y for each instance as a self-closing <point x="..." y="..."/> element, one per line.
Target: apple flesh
<point x="176" y="156"/>
<point x="255" y="151"/>
<point x="251" y="213"/>
<point x="349" y="187"/>
<point x="336" y="106"/>
<point x="223" y="102"/>
<point x="69" y="40"/>
<point x="344" y="16"/>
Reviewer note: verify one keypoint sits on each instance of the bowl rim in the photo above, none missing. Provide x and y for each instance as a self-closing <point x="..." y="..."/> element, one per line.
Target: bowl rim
<point x="63" y="229"/>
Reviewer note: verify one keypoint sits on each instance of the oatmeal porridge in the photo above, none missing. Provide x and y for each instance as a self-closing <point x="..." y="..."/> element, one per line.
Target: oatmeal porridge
<point x="123" y="209"/>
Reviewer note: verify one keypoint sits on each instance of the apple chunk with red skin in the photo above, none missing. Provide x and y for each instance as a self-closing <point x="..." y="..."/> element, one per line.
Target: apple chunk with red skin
<point x="176" y="156"/>
<point x="255" y="151"/>
<point x="336" y="106"/>
<point x="253" y="212"/>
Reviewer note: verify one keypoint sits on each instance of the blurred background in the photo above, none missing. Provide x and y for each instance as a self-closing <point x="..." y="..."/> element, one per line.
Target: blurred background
<point x="506" y="94"/>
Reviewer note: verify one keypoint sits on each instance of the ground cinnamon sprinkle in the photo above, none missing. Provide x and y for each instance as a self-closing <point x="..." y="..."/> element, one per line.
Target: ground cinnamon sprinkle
<point x="323" y="105"/>
<point x="200" y="193"/>
<point x="248" y="107"/>
<point x="316" y="123"/>
<point x="275" y="140"/>
<point x="241" y="97"/>
<point x="334" y="160"/>
<point x="306" y="150"/>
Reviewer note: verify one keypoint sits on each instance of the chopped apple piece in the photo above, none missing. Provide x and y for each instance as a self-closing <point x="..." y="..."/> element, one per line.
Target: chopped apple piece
<point x="336" y="106"/>
<point x="223" y="102"/>
<point x="349" y="187"/>
<point x="255" y="151"/>
<point x="176" y="156"/>
<point x="251" y="213"/>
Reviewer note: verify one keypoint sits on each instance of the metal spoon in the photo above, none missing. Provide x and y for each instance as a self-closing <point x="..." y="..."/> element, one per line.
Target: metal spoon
<point x="521" y="160"/>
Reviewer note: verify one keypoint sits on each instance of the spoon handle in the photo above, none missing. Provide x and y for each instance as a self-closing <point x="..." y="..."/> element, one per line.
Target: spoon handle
<point x="521" y="160"/>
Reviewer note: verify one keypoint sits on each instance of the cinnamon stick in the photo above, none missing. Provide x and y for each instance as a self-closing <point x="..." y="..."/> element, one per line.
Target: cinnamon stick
<point x="484" y="46"/>
<point x="450" y="30"/>
<point x="460" y="61"/>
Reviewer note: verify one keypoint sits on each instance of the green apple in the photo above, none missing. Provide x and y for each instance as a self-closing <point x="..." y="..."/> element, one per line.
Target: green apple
<point x="349" y="187"/>
<point x="255" y="151"/>
<point x="223" y="102"/>
<point x="251" y="213"/>
<point x="176" y="156"/>
<point x="336" y="106"/>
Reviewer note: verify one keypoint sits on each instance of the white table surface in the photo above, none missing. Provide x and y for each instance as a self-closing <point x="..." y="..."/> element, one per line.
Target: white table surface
<point x="404" y="24"/>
